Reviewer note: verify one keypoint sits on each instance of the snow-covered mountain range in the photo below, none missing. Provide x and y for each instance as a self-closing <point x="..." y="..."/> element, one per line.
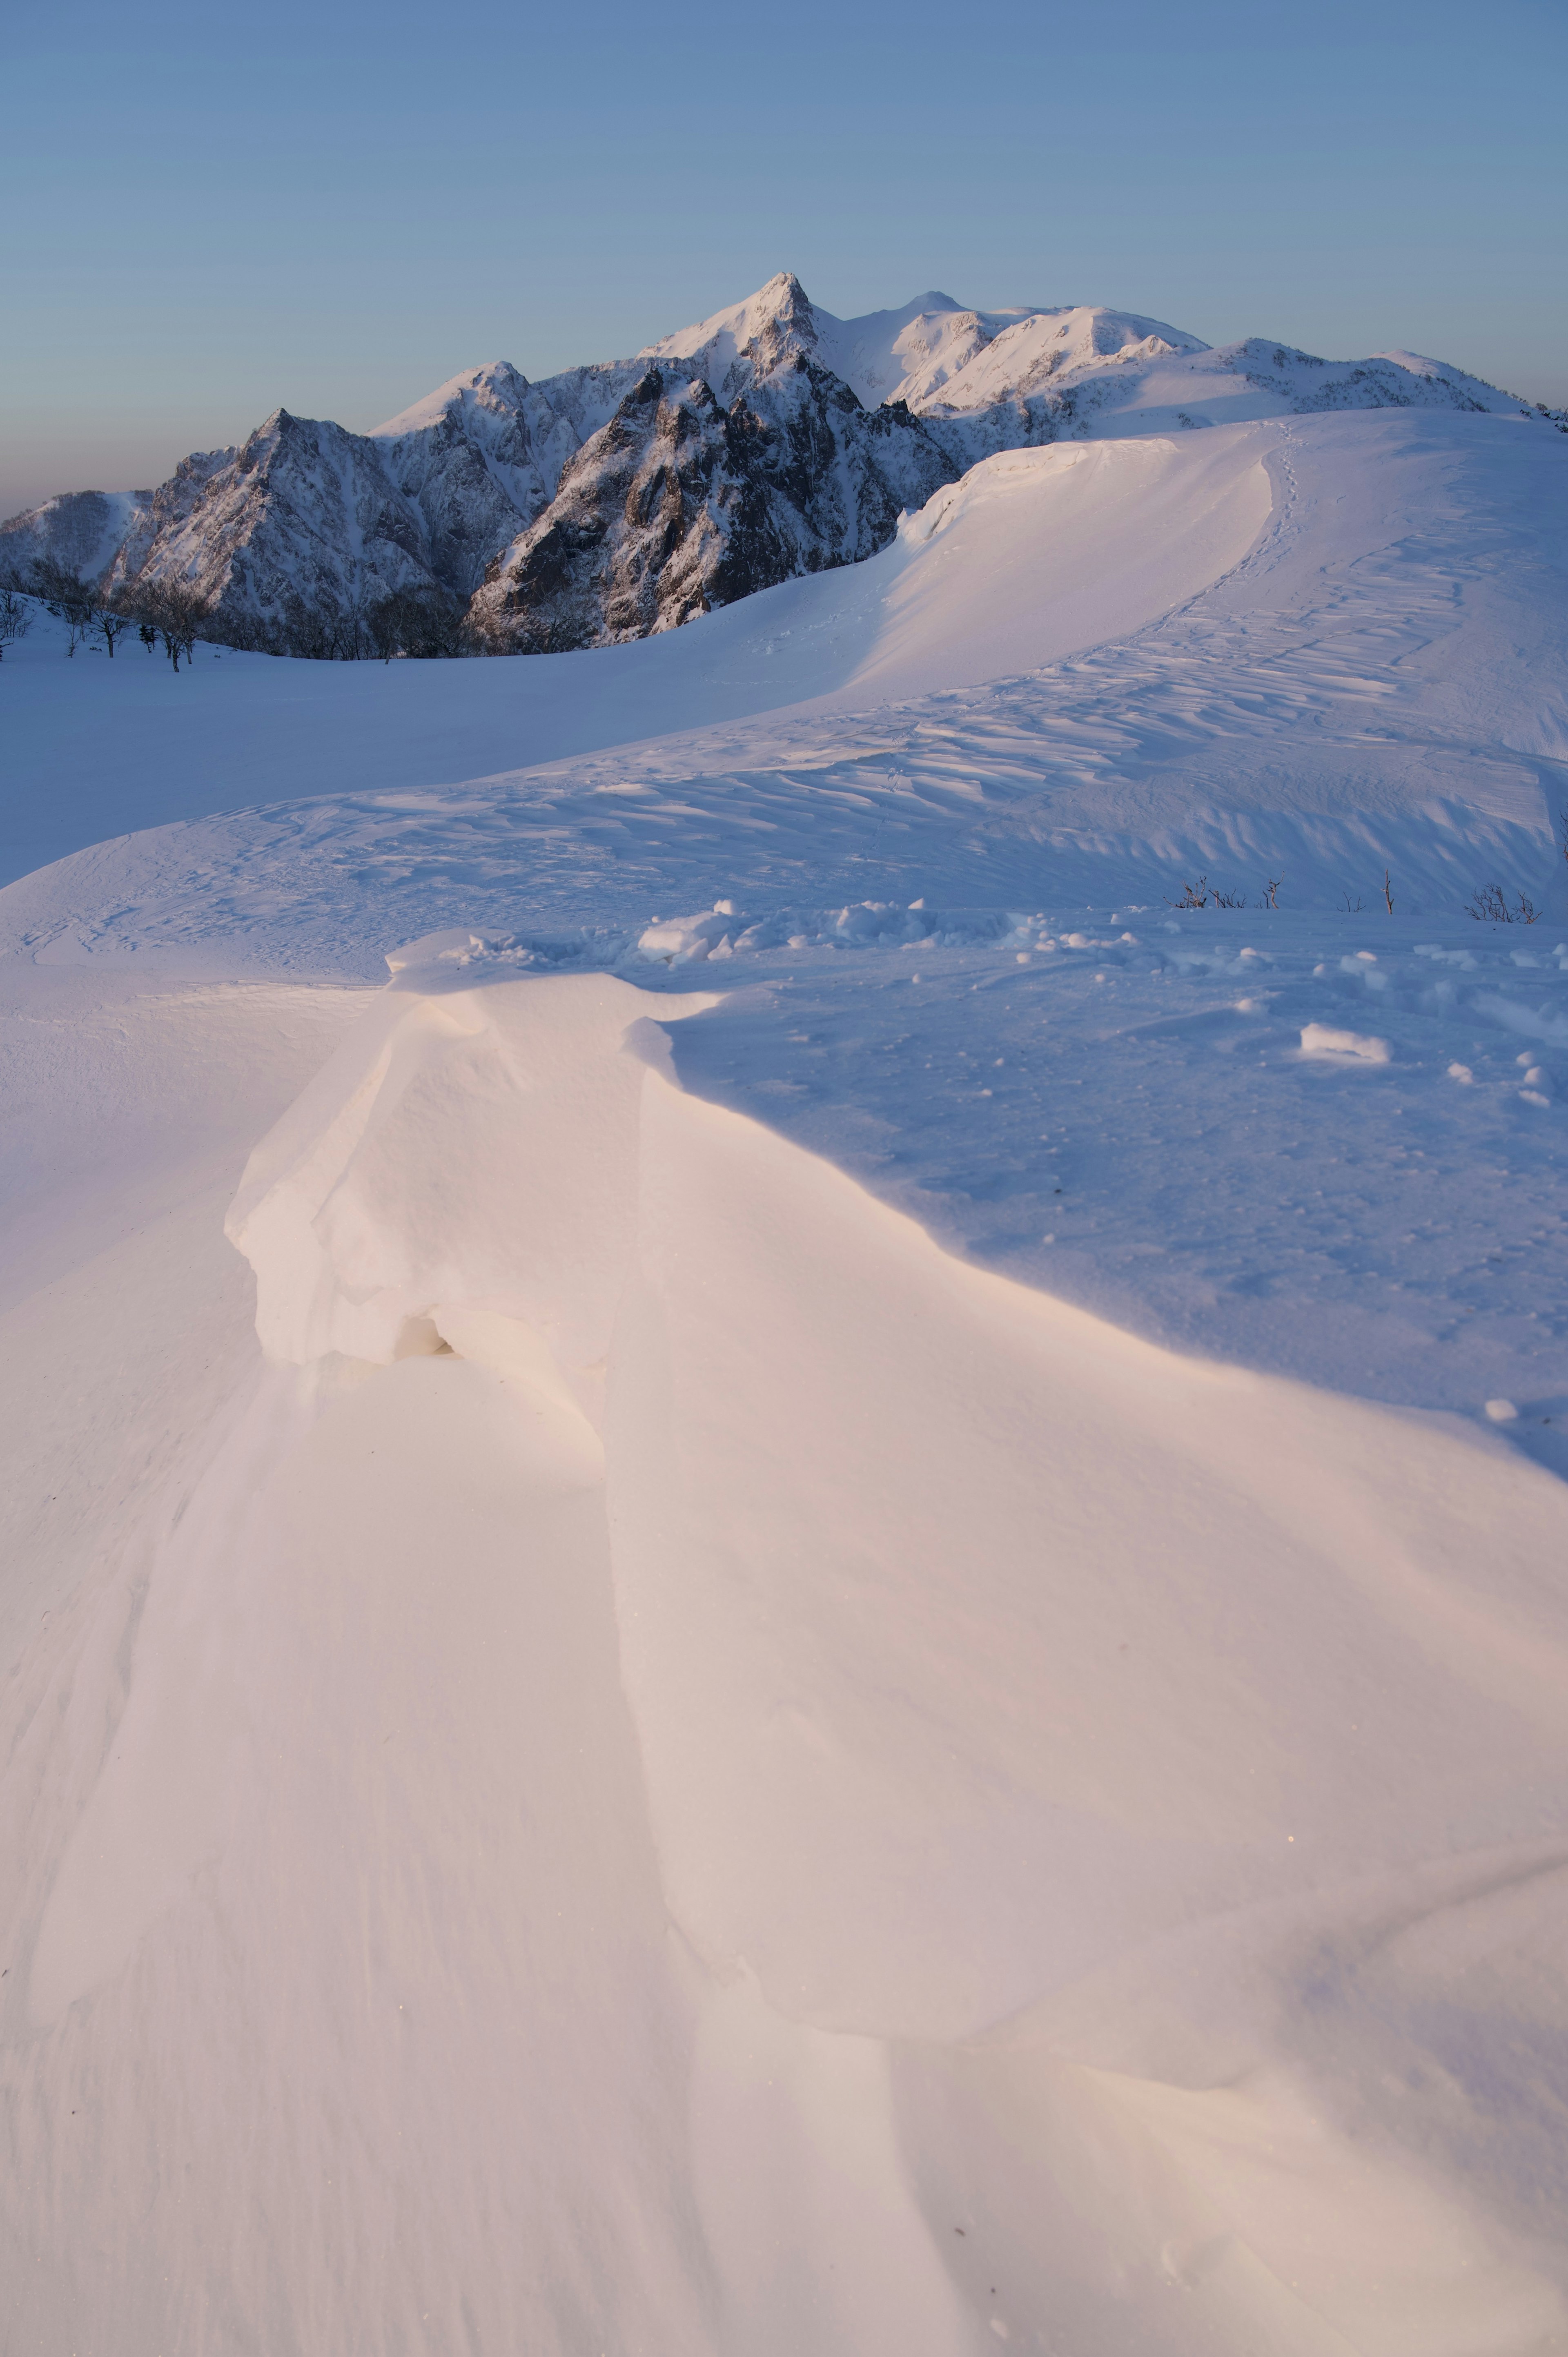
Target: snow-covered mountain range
<point x="768" y="441"/>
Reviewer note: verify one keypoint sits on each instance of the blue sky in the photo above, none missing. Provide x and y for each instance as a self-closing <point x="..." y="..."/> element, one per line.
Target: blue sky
<point x="209" y="212"/>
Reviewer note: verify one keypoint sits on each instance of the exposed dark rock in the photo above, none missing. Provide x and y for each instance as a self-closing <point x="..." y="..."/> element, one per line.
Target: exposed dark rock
<point x="678" y="505"/>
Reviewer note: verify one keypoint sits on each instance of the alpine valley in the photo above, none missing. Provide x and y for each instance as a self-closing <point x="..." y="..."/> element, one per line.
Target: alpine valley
<point x="618" y="499"/>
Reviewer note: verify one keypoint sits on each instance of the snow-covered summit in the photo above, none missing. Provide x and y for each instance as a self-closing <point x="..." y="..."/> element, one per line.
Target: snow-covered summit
<point x="770" y="329"/>
<point x="918" y="352"/>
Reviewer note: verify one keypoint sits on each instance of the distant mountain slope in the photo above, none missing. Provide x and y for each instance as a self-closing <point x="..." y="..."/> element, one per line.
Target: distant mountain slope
<point x="303" y="511"/>
<point x="307" y="519"/>
<point x="768" y="440"/>
<point x="85" y="530"/>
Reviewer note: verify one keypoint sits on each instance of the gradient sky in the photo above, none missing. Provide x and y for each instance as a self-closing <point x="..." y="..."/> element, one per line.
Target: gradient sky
<point x="210" y="211"/>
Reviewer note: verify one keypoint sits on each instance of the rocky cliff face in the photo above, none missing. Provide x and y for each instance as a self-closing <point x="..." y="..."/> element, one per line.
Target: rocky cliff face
<point x="482" y="457"/>
<point x="769" y="440"/>
<point x="679" y="505"/>
<point x="157" y="516"/>
<point x="301" y="511"/>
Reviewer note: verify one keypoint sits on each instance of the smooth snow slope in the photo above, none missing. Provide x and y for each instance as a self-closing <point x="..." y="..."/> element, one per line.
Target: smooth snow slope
<point x="699" y="1775"/>
<point x="1036" y="554"/>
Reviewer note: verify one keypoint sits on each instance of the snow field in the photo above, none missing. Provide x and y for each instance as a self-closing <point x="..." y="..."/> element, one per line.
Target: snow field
<point x="1133" y="1123"/>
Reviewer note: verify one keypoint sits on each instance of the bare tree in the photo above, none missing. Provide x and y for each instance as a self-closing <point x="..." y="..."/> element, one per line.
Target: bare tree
<point x="15" y="617"/>
<point x="1388" y="893"/>
<point x="423" y="624"/>
<point x="110" y="625"/>
<point x="176" y="612"/>
<point x="65" y="595"/>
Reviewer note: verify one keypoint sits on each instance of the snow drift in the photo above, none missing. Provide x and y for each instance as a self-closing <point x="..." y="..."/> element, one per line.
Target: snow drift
<point x="694" y="1773"/>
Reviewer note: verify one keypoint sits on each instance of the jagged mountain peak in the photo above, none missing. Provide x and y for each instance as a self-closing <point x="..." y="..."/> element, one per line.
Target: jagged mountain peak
<point x="747" y="341"/>
<point x="913" y="353"/>
<point x="680" y="503"/>
<point x="782" y="297"/>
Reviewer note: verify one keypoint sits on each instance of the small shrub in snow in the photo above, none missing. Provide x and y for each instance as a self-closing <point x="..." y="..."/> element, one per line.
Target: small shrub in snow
<point x="1488" y="904"/>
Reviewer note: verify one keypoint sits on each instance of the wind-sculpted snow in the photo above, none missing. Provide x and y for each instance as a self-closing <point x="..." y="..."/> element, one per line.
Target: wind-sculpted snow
<point x="702" y="1774"/>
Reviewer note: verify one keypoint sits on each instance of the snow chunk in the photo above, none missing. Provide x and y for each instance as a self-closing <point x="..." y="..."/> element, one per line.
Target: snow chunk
<point x="1319" y="1040"/>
